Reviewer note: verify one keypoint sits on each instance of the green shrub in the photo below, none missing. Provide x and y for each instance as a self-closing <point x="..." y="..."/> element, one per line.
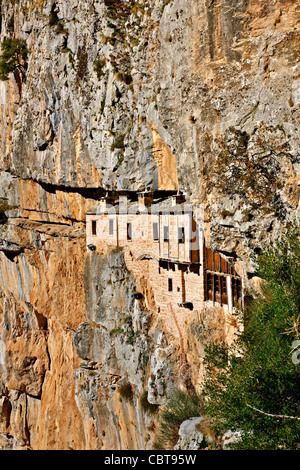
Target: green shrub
<point x="118" y="10"/>
<point x="118" y="143"/>
<point x="146" y="406"/>
<point x="119" y="162"/>
<point x="131" y="336"/>
<point x="181" y="405"/>
<point x="145" y="360"/>
<point x="13" y="57"/>
<point x="99" y="65"/>
<point x="116" y="331"/>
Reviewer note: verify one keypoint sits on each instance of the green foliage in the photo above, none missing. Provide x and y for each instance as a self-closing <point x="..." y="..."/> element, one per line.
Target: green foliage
<point x="145" y="360"/>
<point x="13" y="57"/>
<point x="118" y="143"/>
<point x="181" y="405"/>
<point x="146" y="406"/>
<point x="119" y="162"/>
<point x="131" y="336"/>
<point x="111" y="25"/>
<point x="119" y="10"/>
<point x="116" y="331"/>
<point x="253" y="390"/>
<point x="99" y="65"/>
<point x="216" y="356"/>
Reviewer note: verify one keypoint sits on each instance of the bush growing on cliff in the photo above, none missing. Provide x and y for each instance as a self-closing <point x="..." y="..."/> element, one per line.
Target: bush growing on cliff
<point x="258" y="392"/>
<point x="99" y="65"/>
<point x="118" y="143"/>
<point x="126" y="391"/>
<point x="117" y="9"/>
<point x="181" y="406"/>
<point x="146" y="406"/>
<point x="13" y="57"/>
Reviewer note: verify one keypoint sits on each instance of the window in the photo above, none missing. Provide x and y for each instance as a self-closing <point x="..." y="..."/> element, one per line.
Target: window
<point x="209" y="287"/>
<point x="94" y="227"/>
<point x="236" y="290"/>
<point x="155" y="231"/>
<point x="111" y="227"/>
<point x="224" y="295"/>
<point x="129" y="231"/>
<point x="217" y="297"/>
<point x="166" y="233"/>
<point x="216" y="283"/>
<point x="181" y="235"/>
<point x="170" y="285"/>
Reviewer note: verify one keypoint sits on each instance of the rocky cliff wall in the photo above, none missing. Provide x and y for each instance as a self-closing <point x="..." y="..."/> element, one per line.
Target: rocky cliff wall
<point x="202" y="96"/>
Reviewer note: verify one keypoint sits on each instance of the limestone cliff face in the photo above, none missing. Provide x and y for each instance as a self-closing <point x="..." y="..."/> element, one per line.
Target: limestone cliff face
<point x="126" y="96"/>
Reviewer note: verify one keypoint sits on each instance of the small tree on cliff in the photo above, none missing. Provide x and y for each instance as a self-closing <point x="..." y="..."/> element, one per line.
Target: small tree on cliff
<point x="13" y="58"/>
<point x="258" y="393"/>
